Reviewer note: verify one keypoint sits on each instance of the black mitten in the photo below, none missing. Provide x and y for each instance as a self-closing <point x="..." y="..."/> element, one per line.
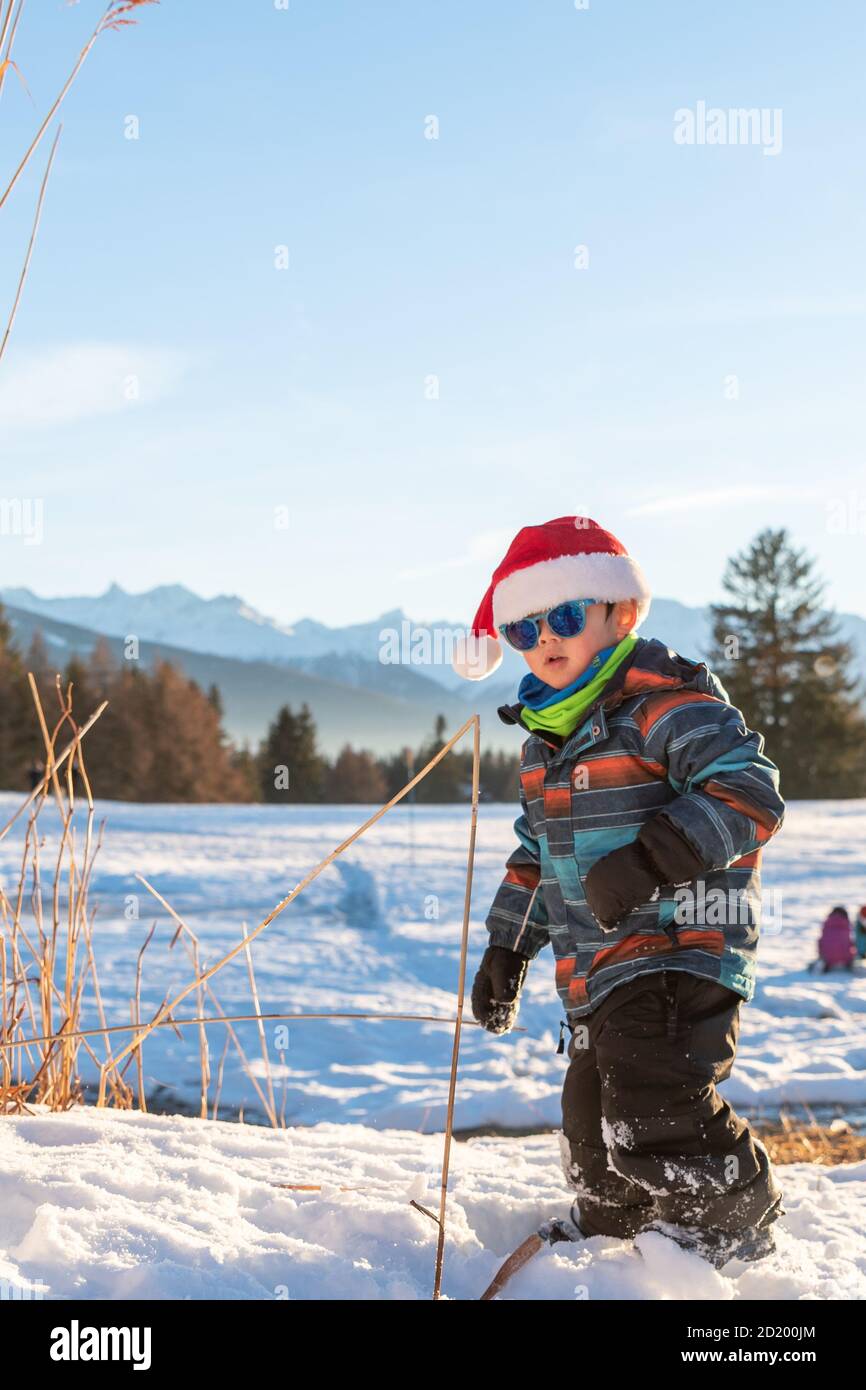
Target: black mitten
<point x="629" y="876"/>
<point x="496" y="991"/>
<point x="618" y="882"/>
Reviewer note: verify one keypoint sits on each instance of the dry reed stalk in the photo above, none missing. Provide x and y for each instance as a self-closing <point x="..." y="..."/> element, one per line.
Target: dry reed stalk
<point x="203" y="1051"/>
<point x="56" y="1061"/>
<point x="311" y="1187"/>
<point x="232" y="1036"/>
<point x="272" y="1107"/>
<point x="136" y="1019"/>
<point x="114" y="17"/>
<point x="285" y="1096"/>
<point x="30" y="854"/>
<point x="186" y="930"/>
<point x="52" y="1063"/>
<point x="461" y="985"/>
<point x="37" y="218"/>
<point x="366" y="1187"/>
<point x="219" y="1080"/>
<point x="8" y="37"/>
<point x="177" y="1023"/>
<point x="89" y="853"/>
<point x="122" y="1093"/>
<point x="123" y="1100"/>
<point x="5" y="1073"/>
<point x="7" y="19"/>
<point x="521" y="1256"/>
<point x="136" y="1006"/>
<point x="111" y="19"/>
<point x="62" y="1077"/>
<point x="39" y="789"/>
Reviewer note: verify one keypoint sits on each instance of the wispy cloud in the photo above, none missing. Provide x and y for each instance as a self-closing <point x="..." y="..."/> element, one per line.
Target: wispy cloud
<point x="717" y="497"/>
<point x="715" y="313"/>
<point x="789" y="307"/>
<point x="486" y="548"/>
<point x="80" y="380"/>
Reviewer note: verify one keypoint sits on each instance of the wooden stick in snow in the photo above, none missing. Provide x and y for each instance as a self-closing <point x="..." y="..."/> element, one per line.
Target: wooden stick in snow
<point x="461" y="982"/>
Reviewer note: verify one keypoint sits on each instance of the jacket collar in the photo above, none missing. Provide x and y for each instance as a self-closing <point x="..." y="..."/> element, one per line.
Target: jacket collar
<point x="652" y="666"/>
<point x="608" y="697"/>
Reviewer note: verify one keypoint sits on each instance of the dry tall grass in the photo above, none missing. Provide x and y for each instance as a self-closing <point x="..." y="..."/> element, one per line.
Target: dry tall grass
<point x="790" y="1139"/>
<point x="117" y="15"/>
<point x="48" y="966"/>
<point x="46" y="944"/>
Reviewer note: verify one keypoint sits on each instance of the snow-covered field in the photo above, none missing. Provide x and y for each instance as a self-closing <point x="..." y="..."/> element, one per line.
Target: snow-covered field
<point x="98" y="1204"/>
<point x="379" y="931"/>
<point x="122" y="1205"/>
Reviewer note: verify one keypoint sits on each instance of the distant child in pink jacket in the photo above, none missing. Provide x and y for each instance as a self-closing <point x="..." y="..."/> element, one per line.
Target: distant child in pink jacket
<point x="835" y="944"/>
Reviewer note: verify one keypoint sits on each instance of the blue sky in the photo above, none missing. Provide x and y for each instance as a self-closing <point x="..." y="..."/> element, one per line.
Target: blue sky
<point x="604" y="390"/>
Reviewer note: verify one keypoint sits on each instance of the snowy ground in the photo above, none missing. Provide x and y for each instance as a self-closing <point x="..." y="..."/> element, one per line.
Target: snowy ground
<point x="97" y="1204"/>
<point x="379" y="931"/>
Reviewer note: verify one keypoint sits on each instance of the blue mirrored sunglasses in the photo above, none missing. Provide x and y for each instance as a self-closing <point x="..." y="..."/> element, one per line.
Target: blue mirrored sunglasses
<point x="565" y="620"/>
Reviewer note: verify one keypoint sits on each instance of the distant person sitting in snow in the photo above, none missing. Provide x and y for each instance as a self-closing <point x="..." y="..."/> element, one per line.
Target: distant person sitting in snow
<point x="860" y="933"/>
<point x="646" y="802"/>
<point x="835" y="946"/>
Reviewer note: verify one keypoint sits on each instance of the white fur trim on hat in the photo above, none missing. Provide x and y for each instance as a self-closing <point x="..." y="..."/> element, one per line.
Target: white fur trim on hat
<point x="475" y="658"/>
<point x="537" y="588"/>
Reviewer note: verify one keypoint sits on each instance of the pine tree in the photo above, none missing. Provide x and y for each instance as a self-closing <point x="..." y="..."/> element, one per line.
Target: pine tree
<point x="37" y="660"/>
<point x="778" y="652"/>
<point x="499" y="775"/>
<point x="92" y="680"/>
<point x="186" y="755"/>
<point x="395" y="770"/>
<point x="20" y="740"/>
<point x="290" y="766"/>
<point x="103" y="667"/>
<point x="444" y="781"/>
<point x="245" y="767"/>
<point x="160" y="739"/>
<point x="215" y="698"/>
<point x="355" y="777"/>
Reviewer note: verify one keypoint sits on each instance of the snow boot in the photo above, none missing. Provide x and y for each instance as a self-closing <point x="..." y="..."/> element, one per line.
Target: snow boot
<point x="563" y="1228"/>
<point x="718" y="1247"/>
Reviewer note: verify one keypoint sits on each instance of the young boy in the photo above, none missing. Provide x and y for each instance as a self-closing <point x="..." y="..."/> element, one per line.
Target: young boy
<point x="645" y="805"/>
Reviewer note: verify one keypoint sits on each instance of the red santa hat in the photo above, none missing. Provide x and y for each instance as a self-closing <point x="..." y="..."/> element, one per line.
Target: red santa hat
<point x="569" y="557"/>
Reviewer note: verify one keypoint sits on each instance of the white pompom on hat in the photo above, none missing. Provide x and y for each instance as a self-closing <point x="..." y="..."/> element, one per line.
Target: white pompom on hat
<point x="569" y="557"/>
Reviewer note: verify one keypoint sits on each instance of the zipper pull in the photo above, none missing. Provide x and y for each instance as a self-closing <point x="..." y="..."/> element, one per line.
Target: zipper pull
<point x="670" y="931"/>
<point x="561" y="1048"/>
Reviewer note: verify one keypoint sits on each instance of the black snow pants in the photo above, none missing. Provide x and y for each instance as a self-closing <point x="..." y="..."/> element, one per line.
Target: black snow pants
<point x="645" y="1134"/>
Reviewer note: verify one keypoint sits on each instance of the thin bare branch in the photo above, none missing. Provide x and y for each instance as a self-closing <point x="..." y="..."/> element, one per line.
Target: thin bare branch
<point x="243" y="1018"/>
<point x="31" y="243"/>
<point x="461" y="985"/>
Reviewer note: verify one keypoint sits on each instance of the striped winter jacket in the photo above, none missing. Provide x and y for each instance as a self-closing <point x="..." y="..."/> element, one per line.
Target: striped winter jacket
<point x="661" y="739"/>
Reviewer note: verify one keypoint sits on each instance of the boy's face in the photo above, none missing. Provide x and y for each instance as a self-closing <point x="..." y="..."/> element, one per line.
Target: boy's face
<point x="560" y="660"/>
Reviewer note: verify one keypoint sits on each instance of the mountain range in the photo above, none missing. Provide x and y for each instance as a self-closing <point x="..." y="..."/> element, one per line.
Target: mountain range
<point x="356" y="695"/>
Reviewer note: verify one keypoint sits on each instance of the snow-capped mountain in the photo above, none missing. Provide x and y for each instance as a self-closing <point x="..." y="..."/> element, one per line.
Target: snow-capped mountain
<point x="223" y="626"/>
<point x="228" y="627"/>
<point x="171" y="613"/>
